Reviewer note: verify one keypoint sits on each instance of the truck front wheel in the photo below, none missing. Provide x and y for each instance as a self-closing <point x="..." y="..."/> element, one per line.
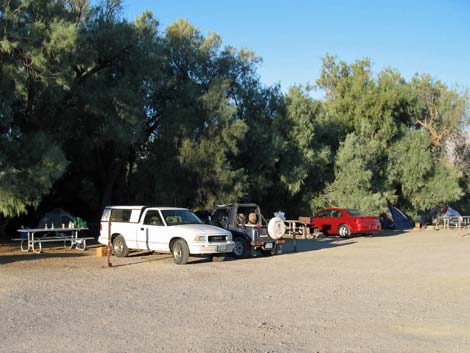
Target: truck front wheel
<point x="120" y="248"/>
<point x="180" y="252"/>
<point x="240" y="249"/>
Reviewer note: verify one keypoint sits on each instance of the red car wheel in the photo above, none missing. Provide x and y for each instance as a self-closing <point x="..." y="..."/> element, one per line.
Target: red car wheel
<point x="344" y="231"/>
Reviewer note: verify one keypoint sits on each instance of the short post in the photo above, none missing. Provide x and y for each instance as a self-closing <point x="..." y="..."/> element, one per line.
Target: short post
<point x="295" y="240"/>
<point x="108" y="250"/>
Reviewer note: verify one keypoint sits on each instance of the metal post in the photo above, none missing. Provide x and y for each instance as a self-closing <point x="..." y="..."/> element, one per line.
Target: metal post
<point x="295" y="241"/>
<point x="108" y="250"/>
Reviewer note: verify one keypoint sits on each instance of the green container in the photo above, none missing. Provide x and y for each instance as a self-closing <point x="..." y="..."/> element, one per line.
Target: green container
<point x="79" y="223"/>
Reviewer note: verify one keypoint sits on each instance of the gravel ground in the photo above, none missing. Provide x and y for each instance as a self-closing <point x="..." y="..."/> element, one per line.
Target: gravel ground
<point x="405" y="292"/>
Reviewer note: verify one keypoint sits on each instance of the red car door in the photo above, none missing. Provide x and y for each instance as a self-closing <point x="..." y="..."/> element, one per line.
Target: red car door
<point x="336" y="219"/>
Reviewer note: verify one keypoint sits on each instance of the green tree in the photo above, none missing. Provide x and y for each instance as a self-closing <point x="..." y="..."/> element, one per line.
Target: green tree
<point x="191" y="157"/>
<point x="422" y="181"/>
<point x="356" y="184"/>
<point x="35" y="50"/>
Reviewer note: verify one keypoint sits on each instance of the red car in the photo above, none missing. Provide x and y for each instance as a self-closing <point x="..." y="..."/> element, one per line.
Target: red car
<point x="344" y="222"/>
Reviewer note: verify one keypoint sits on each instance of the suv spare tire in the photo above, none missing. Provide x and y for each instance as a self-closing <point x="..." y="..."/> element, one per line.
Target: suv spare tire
<point x="276" y="228"/>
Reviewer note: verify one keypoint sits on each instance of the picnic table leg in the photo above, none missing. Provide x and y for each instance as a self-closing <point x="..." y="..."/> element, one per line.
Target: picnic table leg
<point x="22" y="247"/>
<point x="81" y="245"/>
<point x="32" y="245"/>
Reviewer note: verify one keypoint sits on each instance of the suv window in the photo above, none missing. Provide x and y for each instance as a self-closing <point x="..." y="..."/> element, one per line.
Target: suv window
<point x="220" y="217"/>
<point x="247" y="215"/>
<point x="153" y="218"/>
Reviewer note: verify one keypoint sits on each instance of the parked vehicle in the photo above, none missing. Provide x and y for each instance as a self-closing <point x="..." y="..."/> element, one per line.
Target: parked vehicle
<point x="249" y="229"/>
<point x="163" y="229"/>
<point x="344" y="222"/>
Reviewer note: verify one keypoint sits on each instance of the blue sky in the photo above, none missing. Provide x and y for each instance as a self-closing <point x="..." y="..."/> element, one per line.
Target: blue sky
<point x="292" y="36"/>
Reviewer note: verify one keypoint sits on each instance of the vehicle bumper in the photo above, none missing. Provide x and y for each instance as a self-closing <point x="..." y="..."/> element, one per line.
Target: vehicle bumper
<point x="267" y="245"/>
<point x="103" y="240"/>
<point x="212" y="248"/>
<point x="366" y="228"/>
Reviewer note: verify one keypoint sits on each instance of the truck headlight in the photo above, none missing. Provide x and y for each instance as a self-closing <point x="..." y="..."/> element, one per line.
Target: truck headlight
<point x="229" y="237"/>
<point x="200" y="238"/>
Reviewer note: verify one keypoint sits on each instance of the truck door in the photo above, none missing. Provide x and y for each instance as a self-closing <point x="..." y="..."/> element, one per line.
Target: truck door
<point x="151" y="232"/>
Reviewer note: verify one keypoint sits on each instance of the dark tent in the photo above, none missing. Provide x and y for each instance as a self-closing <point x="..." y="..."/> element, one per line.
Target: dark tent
<point x="396" y="219"/>
<point x="56" y="217"/>
<point x="400" y="221"/>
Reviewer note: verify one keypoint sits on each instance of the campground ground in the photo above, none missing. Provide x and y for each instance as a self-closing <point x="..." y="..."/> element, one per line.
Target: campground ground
<point x="397" y="292"/>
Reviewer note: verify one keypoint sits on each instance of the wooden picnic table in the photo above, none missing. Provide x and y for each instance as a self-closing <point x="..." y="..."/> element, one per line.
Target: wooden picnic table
<point x="67" y="235"/>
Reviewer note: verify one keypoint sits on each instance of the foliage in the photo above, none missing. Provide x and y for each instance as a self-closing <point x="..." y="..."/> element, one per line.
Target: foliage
<point x="356" y="183"/>
<point x="96" y="109"/>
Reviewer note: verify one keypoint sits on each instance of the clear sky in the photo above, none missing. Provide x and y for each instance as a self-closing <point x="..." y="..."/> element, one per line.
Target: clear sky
<point x="292" y="36"/>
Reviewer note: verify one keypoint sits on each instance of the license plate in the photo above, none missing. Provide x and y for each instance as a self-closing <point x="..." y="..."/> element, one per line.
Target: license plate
<point x="268" y="246"/>
<point x="221" y="248"/>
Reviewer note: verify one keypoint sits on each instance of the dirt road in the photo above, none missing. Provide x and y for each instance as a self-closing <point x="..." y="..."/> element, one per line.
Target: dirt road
<point x="406" y="292"/>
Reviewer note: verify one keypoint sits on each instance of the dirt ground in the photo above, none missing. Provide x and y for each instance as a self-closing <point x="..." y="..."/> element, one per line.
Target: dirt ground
<point x="403" y="292"/>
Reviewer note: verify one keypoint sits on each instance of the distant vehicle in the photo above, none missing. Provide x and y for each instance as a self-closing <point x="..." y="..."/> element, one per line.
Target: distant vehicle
<point x="163" y="229"/>
<point x="249" y="229"/>
<point x="344" y="222"/>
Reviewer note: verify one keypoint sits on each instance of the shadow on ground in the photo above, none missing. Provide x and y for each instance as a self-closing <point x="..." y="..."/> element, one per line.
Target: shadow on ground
<point x="6" y="258"/>
<point x="305" y="245"/>
<point x="10" y="252"/>
<point x="137" y="258"/>
<point x="391" y="233"/>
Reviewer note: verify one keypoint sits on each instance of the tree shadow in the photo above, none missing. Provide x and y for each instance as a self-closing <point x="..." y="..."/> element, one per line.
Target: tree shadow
<point x="306" y="245"/>
<point x="142" y="257"/>
<point x="391" y="233"/>
<point x="10" y="252"/>
<point x="6" y="258"/>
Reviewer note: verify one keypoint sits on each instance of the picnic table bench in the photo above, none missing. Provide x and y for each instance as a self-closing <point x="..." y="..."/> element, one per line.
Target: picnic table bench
<point x="69" y="236"/>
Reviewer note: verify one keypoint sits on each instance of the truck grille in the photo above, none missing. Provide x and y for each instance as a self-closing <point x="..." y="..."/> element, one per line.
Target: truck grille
<point x="217" y="238"/>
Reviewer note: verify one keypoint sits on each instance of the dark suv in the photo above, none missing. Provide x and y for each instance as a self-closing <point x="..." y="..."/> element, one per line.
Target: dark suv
<point x="248" y="228"/>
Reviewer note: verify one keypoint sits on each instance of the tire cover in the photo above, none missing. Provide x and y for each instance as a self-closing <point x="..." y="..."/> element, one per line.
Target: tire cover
<point x="276" y="228"/>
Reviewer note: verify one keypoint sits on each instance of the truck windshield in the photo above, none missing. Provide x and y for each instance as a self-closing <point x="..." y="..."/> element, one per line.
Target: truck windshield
<point x="175" y="217"/>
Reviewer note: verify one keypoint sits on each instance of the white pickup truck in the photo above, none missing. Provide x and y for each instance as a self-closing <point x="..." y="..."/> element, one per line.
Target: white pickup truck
<point x="163" y="229"/>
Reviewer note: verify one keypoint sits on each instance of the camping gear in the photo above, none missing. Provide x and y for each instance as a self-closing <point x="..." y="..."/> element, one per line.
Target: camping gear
<point x="450" y="212"/>
<point x="55" y="219"/>
<point x="79" y="223"/>
<point x="450" y="217"/>
<point x="398" y="220"/>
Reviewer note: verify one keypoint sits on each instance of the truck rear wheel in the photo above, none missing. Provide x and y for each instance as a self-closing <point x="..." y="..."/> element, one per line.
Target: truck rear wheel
<point x="180" y="252"/>
<point x="240" y="250"/>
<point x="120" y="248"/>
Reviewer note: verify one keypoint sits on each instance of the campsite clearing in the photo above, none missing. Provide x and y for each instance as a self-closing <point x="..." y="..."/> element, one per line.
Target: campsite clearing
<point x="406" y="292"/>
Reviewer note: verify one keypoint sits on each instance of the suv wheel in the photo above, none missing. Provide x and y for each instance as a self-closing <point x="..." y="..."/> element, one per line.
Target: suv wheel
<point x="240" y="249"/>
